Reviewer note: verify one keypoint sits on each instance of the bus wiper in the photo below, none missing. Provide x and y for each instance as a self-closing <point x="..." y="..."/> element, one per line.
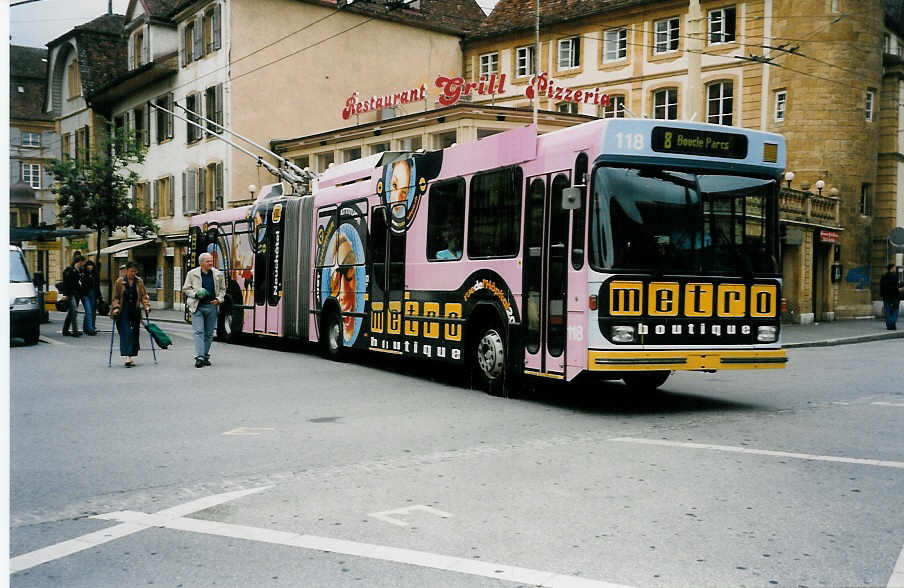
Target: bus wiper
<point x="659" y="174"/>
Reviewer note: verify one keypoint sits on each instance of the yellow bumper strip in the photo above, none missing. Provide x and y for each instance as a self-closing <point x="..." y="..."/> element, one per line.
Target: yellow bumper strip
<point x="691" y="359"/>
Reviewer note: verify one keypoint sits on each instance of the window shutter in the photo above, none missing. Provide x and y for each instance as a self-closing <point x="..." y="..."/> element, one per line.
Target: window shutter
<point x="216" y="26"/>
<point x="184" y="193"/>
<point x="219" y="106"/>
<point x="218" y="191"/>
<point x="153" y="203"/>
<point x="147" y="124"/>
<point x="202" y="192"/>
<point x="182" y="49"/>
<point x="170" y="123"/>
<point x="197" y="39"/>
<point x="87" y="139"/>
<point x="171" y="201"/>
<point x="131" y="51"/>
<point x="192" y="190"/>
<point x="146" y="45"/>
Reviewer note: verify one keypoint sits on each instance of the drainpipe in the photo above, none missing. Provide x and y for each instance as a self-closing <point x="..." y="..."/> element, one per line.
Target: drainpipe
<point x="694" y="58"/>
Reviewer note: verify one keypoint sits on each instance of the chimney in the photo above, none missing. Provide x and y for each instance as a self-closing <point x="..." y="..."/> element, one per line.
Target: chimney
<point x="110" y="7"/>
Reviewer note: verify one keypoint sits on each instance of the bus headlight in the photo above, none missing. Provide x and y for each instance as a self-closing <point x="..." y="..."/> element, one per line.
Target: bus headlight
<point x="622" y="334"/>
<point x="766" y="334"/>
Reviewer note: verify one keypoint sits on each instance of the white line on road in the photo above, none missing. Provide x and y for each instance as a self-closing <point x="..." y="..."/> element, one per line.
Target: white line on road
<point x="733" y="449"/>
<point x="899" y="404"/>
<point x="386" y="518"/>
<point x="897" y="575"/>
<point x="368" y="550"/>
<point x="52" y="552"/>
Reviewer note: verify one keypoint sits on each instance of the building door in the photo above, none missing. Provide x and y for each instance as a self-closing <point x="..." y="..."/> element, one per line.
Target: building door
<point x="545" y="276"/>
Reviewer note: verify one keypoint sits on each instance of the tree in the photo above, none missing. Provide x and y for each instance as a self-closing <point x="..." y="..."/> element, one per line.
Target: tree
<point x="93" y="188"/>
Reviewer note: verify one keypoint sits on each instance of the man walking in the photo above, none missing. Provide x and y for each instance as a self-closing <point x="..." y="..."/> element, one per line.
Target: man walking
<point x="891" y="296"/>
<point x="72" y="289"/>
<point x="204" y="290"/>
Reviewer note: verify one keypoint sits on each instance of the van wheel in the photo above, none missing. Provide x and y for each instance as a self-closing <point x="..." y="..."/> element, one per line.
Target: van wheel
<point x="488" y="362"/>
<point x="32" y="337"/>
<point x="333" y="340"/>
<point x="646" y="381"/>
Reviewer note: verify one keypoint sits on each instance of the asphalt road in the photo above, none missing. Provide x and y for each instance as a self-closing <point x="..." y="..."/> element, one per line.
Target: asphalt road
<point x="276" y="467"/>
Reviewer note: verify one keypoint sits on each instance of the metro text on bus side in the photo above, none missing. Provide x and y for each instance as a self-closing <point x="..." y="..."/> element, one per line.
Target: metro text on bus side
<point x="620" y="248"/>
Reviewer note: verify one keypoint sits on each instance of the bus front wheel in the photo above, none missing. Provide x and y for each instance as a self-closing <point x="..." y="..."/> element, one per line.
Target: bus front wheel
<point x="646" y="381"/>
<point x="333" y="344"/>
<point x="488" y="357"/>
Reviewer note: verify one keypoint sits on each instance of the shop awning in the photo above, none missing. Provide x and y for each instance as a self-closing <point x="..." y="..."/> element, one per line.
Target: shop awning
<point x="123" y="245"/>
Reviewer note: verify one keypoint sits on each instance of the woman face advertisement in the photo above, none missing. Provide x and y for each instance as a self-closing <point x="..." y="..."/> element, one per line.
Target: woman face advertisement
<point x="344" y="279"/>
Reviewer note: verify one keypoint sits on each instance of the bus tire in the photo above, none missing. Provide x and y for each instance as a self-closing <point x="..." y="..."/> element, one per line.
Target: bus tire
<point x="646" y="381"/>
<point x="488" y="361"/>
<point x="333" y="340"/>
<point x="231" y="324"/>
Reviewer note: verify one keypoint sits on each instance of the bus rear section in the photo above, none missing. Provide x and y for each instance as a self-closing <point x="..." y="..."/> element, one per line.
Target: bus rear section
<point x="683" y="251"/>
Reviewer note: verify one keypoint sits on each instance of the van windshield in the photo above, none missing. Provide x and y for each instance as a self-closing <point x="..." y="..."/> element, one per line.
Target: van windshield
<point x="18" y="273"/>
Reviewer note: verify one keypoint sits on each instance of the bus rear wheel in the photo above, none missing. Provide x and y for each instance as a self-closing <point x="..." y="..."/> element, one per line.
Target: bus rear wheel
<point x="333" y="341"/>
<point x="231" y="324"/>
<point x="646" y="381"/>
<point x="488" y="362"/>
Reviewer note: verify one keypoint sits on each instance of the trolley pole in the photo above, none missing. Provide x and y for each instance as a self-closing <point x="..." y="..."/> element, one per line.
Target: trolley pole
<point x="536" y="99"/>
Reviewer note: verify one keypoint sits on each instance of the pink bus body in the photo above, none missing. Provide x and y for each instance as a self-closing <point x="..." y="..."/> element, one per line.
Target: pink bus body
<point x="623" y="248"/>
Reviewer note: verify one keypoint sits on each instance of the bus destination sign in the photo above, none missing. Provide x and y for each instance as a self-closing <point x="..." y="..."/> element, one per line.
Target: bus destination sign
<point x="697" y="142"/>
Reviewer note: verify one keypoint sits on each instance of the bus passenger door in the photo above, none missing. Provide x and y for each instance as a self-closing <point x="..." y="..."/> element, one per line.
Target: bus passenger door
<point x="387" y="289"/>
<point x="545" y="275"/>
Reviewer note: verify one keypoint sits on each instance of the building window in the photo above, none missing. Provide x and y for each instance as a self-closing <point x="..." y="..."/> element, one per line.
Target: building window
<point x="138" y="49"/>
<point x="616" y="108"/>
<point x="165" y="120"/>
<point x="719" y="103"/>
<point x="66" y="145"/>
<point x="141" y="197"/>
<point x="73" y="79"/>
<point x="489" y="64"/>
<point x="351" y="154"/>
<point x="191" y="105"/>
<point x="781" y="99"/>
<point x="722" y="25"/>
<point x="302" y="161"/>
<point x="379" y="148"/>
<point x="164" y="196"/>
<point x="213" y="98"/>
<point x="615" y="45"/>
<point x="836" y="5"/>
<point x="870" y="98"/>
<point x="410" y="143"/>
<point x="886" y="43"/>
<point x="443" y="140"/>
<point x="866" y="199"/>
<point x="192" y="42"/>
<point x="666" y="39"/>
<point x="569" y="53"/>
<point x="31" y="174"/>
<point x="31" y="139"/>
<point x="139" y="118"/>
<point x="325" y="160"/>
<point x="81" y="145"/>
<point x="211" y="188"/>
<point x="525" y="62"/>
<point x="567" y="107"/>
<point x="484" y="133"/>
<point x="665" y="104"/>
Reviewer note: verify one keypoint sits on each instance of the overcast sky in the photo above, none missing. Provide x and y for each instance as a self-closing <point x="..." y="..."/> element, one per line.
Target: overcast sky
<point x="36" y="23"/>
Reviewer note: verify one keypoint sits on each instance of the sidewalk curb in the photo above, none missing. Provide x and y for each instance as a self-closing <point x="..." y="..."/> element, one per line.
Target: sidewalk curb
<point x="845" y="340"/>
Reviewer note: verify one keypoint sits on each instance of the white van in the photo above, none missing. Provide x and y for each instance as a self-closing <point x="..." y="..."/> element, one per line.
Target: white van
<point x="24" y="311"/>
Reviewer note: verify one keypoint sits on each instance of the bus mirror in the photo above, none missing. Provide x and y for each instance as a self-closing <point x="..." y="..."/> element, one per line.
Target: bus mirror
<point x="571" y="198"/>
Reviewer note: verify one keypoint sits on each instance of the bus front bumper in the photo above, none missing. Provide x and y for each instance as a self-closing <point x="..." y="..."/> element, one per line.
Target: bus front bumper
<point x="686" y="359"/>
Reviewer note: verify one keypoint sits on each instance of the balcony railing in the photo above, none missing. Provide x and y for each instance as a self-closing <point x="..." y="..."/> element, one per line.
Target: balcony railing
<point x="806" y="207"/>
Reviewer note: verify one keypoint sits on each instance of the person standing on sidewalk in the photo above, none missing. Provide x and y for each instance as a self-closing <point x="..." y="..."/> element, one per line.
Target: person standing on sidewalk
<point x="204" y="290"/>
<point x="72" y="289"/>
<point x="90" y="296"/>
<point x="891" y="296"/>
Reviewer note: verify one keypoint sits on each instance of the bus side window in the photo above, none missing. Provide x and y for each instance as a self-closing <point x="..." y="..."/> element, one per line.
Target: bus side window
<point x="494" y="214"/>
<point x="446" y="220"/>
<point x="378" y="246"/>
<point x="580" y="214"/>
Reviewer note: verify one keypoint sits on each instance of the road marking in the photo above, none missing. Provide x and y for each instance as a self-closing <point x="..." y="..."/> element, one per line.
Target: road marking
<point x="899" y="404"/>
<point x="357" y="549"/>
<point x="53" y="552"/>
<point x="249" y="431"/>
<point x="897" y="574"/>
<point x="384" y="515"/>
<point x="733" y="449"/>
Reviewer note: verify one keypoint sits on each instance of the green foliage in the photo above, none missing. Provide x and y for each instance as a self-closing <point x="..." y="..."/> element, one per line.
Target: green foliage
<point x="93" y="188"/>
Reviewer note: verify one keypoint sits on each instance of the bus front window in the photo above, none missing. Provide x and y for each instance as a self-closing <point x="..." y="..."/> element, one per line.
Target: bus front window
<point x="668" y="221"/>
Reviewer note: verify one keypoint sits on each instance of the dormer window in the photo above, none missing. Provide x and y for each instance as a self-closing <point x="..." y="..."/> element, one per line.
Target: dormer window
<point x="138" y="48"/>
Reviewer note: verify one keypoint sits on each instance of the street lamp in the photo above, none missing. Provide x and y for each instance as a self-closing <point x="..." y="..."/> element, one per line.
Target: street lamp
<point x="789" y="177"/>
<point x="252" y="188"/>
<point x="820" y="184"/>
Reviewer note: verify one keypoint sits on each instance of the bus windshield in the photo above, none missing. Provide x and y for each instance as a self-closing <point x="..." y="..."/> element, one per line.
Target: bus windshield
<point x="659" y="220"/>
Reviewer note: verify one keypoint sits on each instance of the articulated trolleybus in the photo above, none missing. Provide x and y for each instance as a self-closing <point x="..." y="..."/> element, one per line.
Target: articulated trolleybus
<point x="623" y="248"/>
